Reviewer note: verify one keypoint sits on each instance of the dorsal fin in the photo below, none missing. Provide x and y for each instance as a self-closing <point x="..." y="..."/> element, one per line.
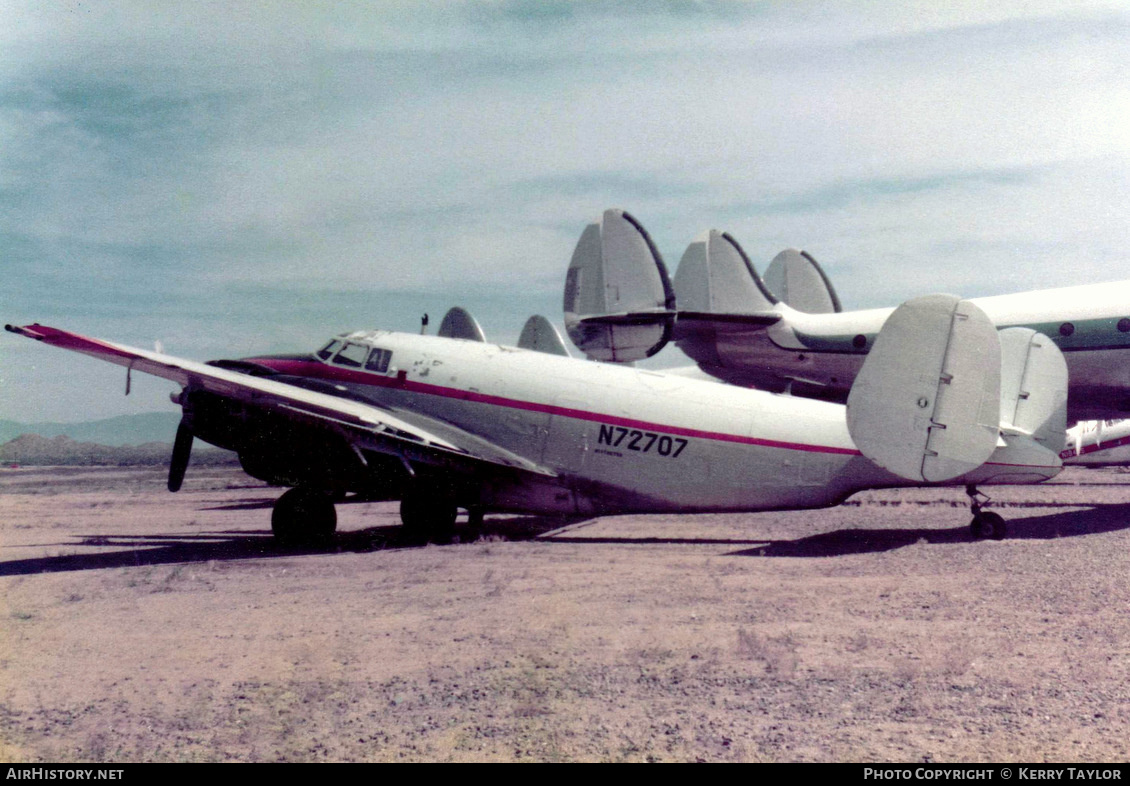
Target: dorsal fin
<point x="458" y="323"/>
<point x="540" y="335"/>
<point x="798" y="280"/>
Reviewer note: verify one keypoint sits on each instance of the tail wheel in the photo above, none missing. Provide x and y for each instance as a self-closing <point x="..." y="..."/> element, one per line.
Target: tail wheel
<point x="988" y="525"/>
<point x="304" y="515"/>
<point x="428" y="517"/>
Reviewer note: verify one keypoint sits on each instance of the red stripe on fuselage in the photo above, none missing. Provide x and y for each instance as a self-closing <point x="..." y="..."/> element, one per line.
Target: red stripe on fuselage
<point x="1086" y="449"/>
<point x="316" y="370"/>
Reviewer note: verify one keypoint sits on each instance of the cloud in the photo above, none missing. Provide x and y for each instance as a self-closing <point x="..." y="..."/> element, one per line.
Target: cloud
<point x="155" y="160"/>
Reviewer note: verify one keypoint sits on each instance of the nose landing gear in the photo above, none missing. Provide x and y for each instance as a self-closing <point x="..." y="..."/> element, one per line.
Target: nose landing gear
<point x="986" y="524"/>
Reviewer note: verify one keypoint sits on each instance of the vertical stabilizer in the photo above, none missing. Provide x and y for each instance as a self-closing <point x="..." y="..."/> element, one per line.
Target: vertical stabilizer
<point x="458" y="323"/>
<point x="798" y="280"/>
<point x="618" y="299"/>
<point x="715" y="276"/>
<point x="926" y="403"/>
<point x="1033" y="387"/>
<point x="540" y="335"/>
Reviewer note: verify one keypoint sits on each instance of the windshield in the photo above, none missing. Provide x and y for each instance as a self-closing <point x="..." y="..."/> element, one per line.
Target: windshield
<point x="352" y="355"/>
<point x="327" y="351"/>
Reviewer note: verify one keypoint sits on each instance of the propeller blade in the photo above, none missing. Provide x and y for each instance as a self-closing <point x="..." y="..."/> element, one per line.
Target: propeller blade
<point x="182" y="449"/>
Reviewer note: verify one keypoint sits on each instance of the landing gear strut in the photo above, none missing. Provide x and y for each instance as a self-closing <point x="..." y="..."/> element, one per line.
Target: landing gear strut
<point x="304" y="515"/>
<point x="986" y="524"/>
<point x="427" y="516"/>
<point x="474" y="527"/>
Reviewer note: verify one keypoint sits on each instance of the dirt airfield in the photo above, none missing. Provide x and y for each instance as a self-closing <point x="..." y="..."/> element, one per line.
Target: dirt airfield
<point x="138" y="625"/>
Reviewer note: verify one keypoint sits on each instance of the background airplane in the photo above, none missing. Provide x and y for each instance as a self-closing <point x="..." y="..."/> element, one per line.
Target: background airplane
<point x="788" y="332"/>
<point x="1098" y="443"/>
<point x="450" y="421"/>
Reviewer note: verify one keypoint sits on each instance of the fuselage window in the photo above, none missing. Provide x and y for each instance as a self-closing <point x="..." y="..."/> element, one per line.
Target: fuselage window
<point x="326" y="352"/>
<point x="378" y="361"/>
<point x="352" y="355"/>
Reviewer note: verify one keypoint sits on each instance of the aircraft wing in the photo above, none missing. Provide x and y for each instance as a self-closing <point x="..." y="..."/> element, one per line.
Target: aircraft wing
<point x="413" y="437"/>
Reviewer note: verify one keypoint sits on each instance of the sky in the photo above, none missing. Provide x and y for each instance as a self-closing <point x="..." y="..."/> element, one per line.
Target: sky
<point x="233" y="178"/>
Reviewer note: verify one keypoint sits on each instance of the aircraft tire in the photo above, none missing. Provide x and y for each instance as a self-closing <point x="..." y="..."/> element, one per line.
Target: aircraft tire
<point x="427" y="518"/>
<point x="979" y="528"/>
<point x="988" y="526"/>
<point x="304" y="516"/>
<point x="998" y="528"/>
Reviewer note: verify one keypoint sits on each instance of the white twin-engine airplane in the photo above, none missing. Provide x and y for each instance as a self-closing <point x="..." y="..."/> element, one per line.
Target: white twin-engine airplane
<point x="450" y="421"/>
<point x="788" y="332"/>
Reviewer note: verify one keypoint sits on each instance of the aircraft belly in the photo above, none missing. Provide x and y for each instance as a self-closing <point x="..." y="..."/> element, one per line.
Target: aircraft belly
<point x="638" y="470"/>
<point x="753" y="359"/>
<point x="613" y="453"/>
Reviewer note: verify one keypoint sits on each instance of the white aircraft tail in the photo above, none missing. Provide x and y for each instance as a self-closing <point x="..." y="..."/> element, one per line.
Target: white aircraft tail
<point x="941" y="391"/>
<point x="715" y="276"/>
<point x="458" y="323"/>
<point x="798" y="281"/>
<point x="540" y="335"/>
<point x="619" y="304"/>
<point x="1033" y="387"/>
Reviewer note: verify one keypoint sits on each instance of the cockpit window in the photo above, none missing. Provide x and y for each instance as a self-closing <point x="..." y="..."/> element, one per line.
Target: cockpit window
<point x="378" y="361"/>
<point x="326" y="352"/>
<point x="352" y="355"/>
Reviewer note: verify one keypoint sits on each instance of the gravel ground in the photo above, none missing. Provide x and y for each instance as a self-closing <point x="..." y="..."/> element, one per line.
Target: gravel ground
<point x="137" y="625"/>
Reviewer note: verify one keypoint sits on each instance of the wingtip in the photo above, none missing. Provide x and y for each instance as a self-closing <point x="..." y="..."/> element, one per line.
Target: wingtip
<point x="24" y="331"/>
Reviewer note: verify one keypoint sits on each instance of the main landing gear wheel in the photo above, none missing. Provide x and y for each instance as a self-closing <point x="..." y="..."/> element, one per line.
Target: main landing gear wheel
<point x="427" y="517"/>
<point x="304" y="516"/>
<point x="474" y="527"/>
<point x="986" y="524"/>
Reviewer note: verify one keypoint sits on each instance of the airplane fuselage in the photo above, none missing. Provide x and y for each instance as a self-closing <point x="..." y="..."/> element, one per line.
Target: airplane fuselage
<point x="618" y="439"/>
<point x="820" y="354"/>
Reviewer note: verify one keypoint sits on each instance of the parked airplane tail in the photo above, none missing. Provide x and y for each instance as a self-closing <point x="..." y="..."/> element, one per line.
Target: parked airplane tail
<point x="797" y="279"/>
<point x="540" y="335"/>
<point x="1033" y="387"/>
<point x="619" y="302"/>
<point x="458" y="323"/>
<point x="941" y="392"/>
<point x="715" y="276"/>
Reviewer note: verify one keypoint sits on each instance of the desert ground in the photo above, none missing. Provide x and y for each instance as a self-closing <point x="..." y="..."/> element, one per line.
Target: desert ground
<point x="138" y="625"/>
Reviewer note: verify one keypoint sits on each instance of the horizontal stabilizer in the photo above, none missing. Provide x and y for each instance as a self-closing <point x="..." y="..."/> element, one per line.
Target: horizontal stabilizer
<point x="616" y="273"/>
<point x="798" y="280"/>
<point x="540" y="335"/>
<point x="657" y="317"/>
<point x="926" y="403"/>
<point x="762" y="319"/>
<point x="458" y="323"/>
<point x="715" y="276"/>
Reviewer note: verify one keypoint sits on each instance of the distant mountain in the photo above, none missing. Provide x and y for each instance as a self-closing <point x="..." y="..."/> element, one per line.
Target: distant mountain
<point x="32" y="449"/>
<point x="122" y="430"/>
